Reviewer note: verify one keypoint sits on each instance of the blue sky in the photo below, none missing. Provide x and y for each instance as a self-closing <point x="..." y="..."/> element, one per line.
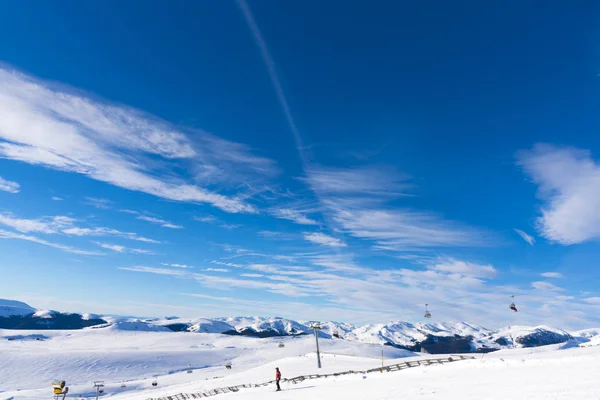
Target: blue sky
<point x="312" y="160"/>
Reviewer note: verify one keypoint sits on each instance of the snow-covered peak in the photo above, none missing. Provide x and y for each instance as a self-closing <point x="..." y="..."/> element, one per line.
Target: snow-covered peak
<point x="266" y="326"/>
<point x="205" y="325"/>
<point x="135" y="325"/>
<point x="88" y="316"/>
<point x="45" y="313"/>
<point x="527" y="336"/>
<point x="9" y="308"/>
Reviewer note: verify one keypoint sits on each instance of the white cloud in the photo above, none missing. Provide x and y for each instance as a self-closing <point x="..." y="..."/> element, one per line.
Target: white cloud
<point x="45" y="225"/>
<point x="378" y="181"/>
<point x="113" y="247"/>
<point x="356" y="197"/>
<point x="552" y="275"/>
<point x="161" y="222"/>
<point x="323" y="239"/>
<point x="226" y="264"/>
<point x="452" y="265"/>
<point x="592" y="300"/>
<point x="252" y="275"/>
<point x="526" y="237"/>
<point x="177" y="265"/>
<point x="76" y="231"/>
<point x="122" y="249"/>
<point x="102" y="204"/>
<point x="546" y="286"/>
<point x="152" y="270"/>
<point x="215" y="270"/>
<point x="296" y="216"/>
<point x="206" y="219"/>
<point x="64" y="130"/>
<point x="11" y="235"/>
<point x="400" y="230"/>
<point x="8" y="186"/>
<point x="230" y="226"/>
<point x="56" y="198"/>
<point x="64" y="225"/>
<point x="569" y="182"/>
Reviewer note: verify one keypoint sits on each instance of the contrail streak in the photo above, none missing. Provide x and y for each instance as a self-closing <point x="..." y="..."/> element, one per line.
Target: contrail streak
<point x="268" y="60"/>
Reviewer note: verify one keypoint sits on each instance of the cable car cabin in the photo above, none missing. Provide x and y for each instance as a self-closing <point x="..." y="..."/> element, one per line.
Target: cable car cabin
<point x="512" y="305"/>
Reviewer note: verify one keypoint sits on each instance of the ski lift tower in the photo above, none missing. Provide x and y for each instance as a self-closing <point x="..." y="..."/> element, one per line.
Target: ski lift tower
<point x="99" y="385"/>
<point x="316" y="326"/>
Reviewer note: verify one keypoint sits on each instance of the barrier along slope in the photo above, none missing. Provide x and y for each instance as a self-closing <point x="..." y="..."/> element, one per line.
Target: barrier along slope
<point x="301" y="378"/>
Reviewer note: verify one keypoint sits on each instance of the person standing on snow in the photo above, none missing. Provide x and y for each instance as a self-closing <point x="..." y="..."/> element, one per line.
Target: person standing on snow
<point x="277" y="378"/>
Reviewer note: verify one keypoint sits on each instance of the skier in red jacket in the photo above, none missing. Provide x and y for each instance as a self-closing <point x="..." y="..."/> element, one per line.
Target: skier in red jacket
<point x="277" y="378"/>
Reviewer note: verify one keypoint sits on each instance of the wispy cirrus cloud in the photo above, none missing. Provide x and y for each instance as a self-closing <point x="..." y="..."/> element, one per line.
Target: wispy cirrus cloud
<point x="61" y="224"/>
<point x="454" y="266"/>
<point x="100" y="203"/>
<point x="364" y="181"/>
<point x="18" y="236"/>
<point x="569" y="183"/>
<point x="56" y="198"/>
<point x="546" y="286"/>
<point x="153" y="220"/>
<point x="62" y="129"/>
<point x="44" y="225"/>
<point x="77" y="231"/>
<point x="161" y="222"/>
<point x="556" y="275"/>
<point x="323" y="239"/>
<point x="122" y="249"/>
<point x="177" y="265"/>
<point x="298" y="216"/>
<point x="401" y="229"/>
<point x="153" y="270"/>
<point x="9" y="186"/>
<point x="207" y="219"/>
<point x="525" y="236"/>
<point x="356" y="199"/>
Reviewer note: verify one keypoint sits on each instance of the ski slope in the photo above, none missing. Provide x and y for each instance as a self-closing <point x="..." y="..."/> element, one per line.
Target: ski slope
<point x="31" y="359"/>
<point x="544" y="373"/>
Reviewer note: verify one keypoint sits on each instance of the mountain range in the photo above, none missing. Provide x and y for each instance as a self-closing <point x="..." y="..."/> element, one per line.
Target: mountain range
<point x="434" y="338"/>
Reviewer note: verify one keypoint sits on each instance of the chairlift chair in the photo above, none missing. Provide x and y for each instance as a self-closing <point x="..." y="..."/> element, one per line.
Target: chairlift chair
<point x="513" y="306"/>
<point x="281" y="345"/>
<point x="427" y="313"/>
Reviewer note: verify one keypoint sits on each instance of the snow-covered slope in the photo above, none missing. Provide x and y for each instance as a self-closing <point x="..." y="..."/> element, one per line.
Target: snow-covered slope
<point x="10" y="308"/>
<point x="114" y="355"/>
